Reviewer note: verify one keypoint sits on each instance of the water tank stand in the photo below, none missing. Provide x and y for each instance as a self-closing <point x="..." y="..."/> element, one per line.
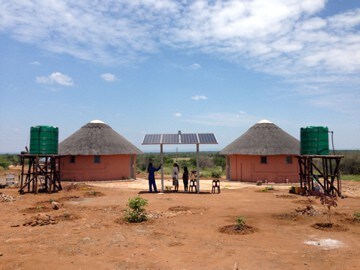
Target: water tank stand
<point x="40" y="173"/>
<point x="320" y="173"/>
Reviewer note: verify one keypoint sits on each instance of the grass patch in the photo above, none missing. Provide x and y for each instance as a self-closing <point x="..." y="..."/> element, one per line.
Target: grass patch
<point x="356" y="217"/>
<point x="352" y="177"/>
<point x="266" y="189"/>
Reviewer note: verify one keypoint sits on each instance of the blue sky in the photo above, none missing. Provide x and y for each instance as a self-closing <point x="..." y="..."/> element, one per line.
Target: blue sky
<point x="159" y="66"/>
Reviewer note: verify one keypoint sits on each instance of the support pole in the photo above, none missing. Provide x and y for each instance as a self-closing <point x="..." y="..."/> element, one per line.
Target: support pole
<point x="162" y="168"/>
<point x="197" y="169"/>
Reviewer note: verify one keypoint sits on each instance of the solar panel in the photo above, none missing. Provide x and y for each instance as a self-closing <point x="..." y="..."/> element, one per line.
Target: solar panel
<point x="207" y="138"/>
<point x="189" y="138"/>
<point x="152" y="139"/>
<point x="170" y="139"/>
<point x="186" y="138"/>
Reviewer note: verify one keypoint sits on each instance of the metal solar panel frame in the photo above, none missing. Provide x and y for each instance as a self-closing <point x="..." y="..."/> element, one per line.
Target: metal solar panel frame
<point x="152" y="139"/>
<point x="207" y="138"/>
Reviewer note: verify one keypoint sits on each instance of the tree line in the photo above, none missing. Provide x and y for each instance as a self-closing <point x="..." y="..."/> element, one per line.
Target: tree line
<point x="211" y="163"/>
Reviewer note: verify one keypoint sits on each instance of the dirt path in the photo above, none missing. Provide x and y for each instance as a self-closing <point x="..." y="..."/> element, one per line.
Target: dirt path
<point x="182" y="232"/>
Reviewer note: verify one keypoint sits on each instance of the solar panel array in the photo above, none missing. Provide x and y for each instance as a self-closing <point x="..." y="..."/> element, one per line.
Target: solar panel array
<point x="152" y="139"/>
<point x="186" y="138"/>
<point x="207" y="138"/>
<point x="170" y="139"/>
<point x="189" y="138"/>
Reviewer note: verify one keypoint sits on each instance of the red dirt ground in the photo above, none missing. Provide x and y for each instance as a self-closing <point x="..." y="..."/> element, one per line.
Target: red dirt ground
<point x="182" y="232"/>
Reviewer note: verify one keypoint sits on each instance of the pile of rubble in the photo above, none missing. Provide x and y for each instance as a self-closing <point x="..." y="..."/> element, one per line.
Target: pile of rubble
<point x="167" y="214"/>
<point x="6" y="198"/>
<point x="40" y="220"/>
<point x="308" y="210"/>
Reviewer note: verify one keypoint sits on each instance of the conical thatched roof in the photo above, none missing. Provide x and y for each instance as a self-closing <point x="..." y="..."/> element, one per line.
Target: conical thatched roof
<point x="96" y="138"/>
<point x="263" y="138"/>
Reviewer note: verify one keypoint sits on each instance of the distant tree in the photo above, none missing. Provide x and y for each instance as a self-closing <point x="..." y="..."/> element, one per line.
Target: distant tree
<point x="219" y="160"/>
<point x="4" y="163"/>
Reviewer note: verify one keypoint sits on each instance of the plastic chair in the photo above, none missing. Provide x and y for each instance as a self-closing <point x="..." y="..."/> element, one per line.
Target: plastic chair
<point x="193" y="185"/>
<point x="215" y="186"/>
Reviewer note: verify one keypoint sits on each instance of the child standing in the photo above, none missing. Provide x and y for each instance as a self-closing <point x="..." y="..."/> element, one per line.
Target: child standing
<point x="175" y="176"/>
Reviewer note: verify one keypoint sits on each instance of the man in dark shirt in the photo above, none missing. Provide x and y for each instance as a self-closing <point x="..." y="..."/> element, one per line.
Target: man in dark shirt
<point x="151" y="170"/>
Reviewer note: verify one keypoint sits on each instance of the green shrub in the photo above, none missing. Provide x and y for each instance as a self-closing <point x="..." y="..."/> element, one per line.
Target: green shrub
<point x="136" y="211"/>
<point x="356" y="216"/>
<point x="216" y="172"/>
<point x="240" y="223"/>
<point x="266" y="189"/>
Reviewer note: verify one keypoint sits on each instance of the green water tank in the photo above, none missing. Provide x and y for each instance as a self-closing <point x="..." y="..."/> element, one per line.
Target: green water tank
<point x="44" y="140"/>
<point x="314" y="141"/>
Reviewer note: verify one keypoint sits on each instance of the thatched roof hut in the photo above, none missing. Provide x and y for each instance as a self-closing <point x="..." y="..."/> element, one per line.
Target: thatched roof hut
<point x="97" y="138"/>
<point x="264" y="138"/>
<point x="263" y="153"/>
<point x="96" y="152"/>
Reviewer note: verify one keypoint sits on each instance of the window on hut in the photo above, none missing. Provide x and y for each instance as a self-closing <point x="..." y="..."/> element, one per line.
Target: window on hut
<point x="96" y="159"/>
<point x="263" y="160"/>
<point x="72" y="159"/>
<point x="289" y="160"/>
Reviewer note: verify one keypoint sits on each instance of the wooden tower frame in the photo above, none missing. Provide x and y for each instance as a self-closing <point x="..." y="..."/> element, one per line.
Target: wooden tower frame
<point x="323" y="170"/>
<point x="41" y="175"/>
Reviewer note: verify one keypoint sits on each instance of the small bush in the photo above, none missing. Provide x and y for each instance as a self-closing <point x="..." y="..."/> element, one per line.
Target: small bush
<point x="136" y="211"/>
<point x="240" y="223"/>
<point x="356" y="216"/>
<point x="328" y="202"/>
<point x="266" y="189"/>
<point x="216" y="174"/>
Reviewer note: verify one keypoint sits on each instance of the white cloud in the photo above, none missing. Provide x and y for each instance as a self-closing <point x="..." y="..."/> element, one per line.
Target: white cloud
<point x="108" y="77"/>
<point x="177" y="114"/>
<point x="199" y="97"/>
<point x="56" y="78"/>
<point x="195" y="66"/>
<point x="35" y="63"/>
<point x="283" y="37"/>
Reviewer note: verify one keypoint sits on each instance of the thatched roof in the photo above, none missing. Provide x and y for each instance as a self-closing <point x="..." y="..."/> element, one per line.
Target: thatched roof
<point x="96" y="138"/>
<point x="263" y="138"/>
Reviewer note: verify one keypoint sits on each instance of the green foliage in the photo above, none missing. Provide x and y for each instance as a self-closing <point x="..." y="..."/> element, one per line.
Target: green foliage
<point x="240" y="223"/>
<point x="350" y="164"/>
<point x="351" y="177"/>
<point x="220" y="161"/>
<point x="266" y="189"/>
<point x="136" y="211"/>
<point x="212" y="165"/>
<point x="8" y="159"/>
<point x="356" y="217"/>
<point x="217" y="172"/>
<point x="4" y="163"/>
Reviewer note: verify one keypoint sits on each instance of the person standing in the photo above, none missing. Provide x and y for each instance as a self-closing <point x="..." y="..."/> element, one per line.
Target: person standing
<point x="175" y="177"/>
<point x="151" y="171"/>
<point x="186" y="178"/>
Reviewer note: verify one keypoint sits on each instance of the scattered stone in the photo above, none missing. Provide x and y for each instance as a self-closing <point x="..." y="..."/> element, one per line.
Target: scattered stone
<point x="308" y="210"/>
<point x="40" y="220"/>
<point x="55" y="205"/>
<point x="14" y="225"/>
<point x="6" y="198"/>
<point x="1" y="254"/>
<point x="167" y="214"/>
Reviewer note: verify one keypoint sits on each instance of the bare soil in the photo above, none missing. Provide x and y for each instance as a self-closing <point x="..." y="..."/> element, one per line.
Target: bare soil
<point x="183" y="230"/>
